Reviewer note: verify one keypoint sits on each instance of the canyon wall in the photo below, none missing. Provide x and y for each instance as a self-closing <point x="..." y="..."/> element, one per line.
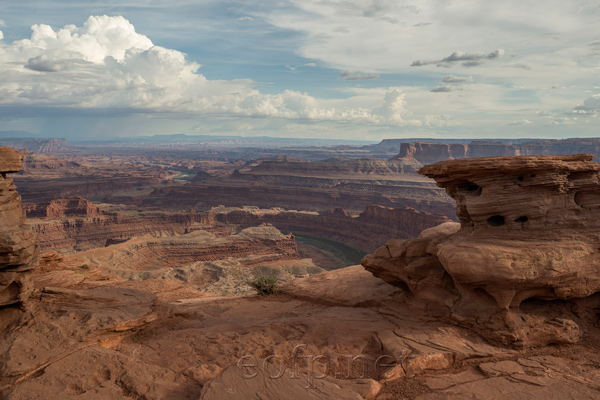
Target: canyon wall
<point x="81" y="233"/>
<point x="76" y="224"/>
<point x="428" y="153"/>
<point x="337" y="167"/>
<point x="431" y="152"/>
<point x="18" y="246"/>
<point x="38" y="190"/>
<point x="364" y="232"/>
<point x="59" y="208"/>
<point x="352" y="198"/>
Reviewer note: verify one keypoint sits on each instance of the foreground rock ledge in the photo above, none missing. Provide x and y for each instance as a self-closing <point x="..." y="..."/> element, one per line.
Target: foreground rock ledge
<point x="523" y="265"/>
<point x="18" y="245"/>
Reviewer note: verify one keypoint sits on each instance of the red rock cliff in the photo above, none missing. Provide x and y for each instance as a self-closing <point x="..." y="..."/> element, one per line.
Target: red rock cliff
<point x="70" y="207"/>
<point x="18" y="245"/>
<point x="428" y="153"/>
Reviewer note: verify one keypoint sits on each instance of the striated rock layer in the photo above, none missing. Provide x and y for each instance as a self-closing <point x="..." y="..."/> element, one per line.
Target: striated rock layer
<point x="69" y="207"/>
<point x="336" y="167"/>
<point x="18" y="246"/>
<point x="353" y="198"/>
<point x="528" y="236"/>
<point x="76" y="224"/>
<point x="364" y="232"/>
<point x="431" y="152"/>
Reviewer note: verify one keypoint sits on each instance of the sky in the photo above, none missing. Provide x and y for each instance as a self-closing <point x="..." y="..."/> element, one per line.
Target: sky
<point x="347" y="69"/>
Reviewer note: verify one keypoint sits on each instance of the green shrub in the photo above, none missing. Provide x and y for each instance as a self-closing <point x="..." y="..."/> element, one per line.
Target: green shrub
<point x="264" y="284"/>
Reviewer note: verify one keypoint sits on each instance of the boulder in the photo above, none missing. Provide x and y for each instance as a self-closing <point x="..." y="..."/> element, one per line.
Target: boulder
<point x="529" y="234"/>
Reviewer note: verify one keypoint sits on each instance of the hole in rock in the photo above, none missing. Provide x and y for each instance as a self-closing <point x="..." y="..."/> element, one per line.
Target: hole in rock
<point x="496" y="220"/>
<point x="520" y="179"/>
<point x="522" y="219"/>
<point x="471" y="188"/>
<point x="448" y="283"/>
<point x="587" y="199"/>
<point x="577" y="198"/>
<point x="483" y="299"/>
<point x="532" y="176"/>
<point x="579" y="175"/>
<point x="463" y="214"/>
<point x="403" y="286"/>
<point x="533" y="305"/>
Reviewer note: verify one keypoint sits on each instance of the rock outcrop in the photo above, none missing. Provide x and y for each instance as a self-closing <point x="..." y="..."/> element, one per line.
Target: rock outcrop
<point x="426" y="152"/>
<point x="70" y="207"/>
<point x="18" y="246"/>
<point x="430" y="152"/>
<point x="104" y="225"/>
<point x="523" y="265"/>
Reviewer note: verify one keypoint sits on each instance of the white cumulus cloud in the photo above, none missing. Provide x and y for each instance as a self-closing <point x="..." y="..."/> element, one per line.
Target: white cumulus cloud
<point x="393" y="110"/>
<point x="106" y="64"/>
<point x="590" y="107"/>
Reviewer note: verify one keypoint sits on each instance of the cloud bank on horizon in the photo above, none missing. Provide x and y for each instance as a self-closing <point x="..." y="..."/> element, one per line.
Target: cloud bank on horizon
<point x="360" y="69"/>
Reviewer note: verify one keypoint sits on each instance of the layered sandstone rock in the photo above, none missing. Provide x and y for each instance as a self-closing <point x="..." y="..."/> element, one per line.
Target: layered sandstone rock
<point x="86" y="225"/>
<point x="335" y="167"/>
<point x="18" y="246"/>
<point x="351" y="197"/>
<point x="529" y="234"/>
<point x="69" y="207"/>
<point x="200" y="260"/>
<point x="365" y="232"/>
<point x="431" y="152"/>
<point x="426" y="153"/>
<point x="75" y="224"/>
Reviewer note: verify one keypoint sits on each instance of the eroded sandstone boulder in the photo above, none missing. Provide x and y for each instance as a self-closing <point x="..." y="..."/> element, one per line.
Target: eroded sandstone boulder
<point x="18" y="246"/>
<point x="525" y="256"/>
